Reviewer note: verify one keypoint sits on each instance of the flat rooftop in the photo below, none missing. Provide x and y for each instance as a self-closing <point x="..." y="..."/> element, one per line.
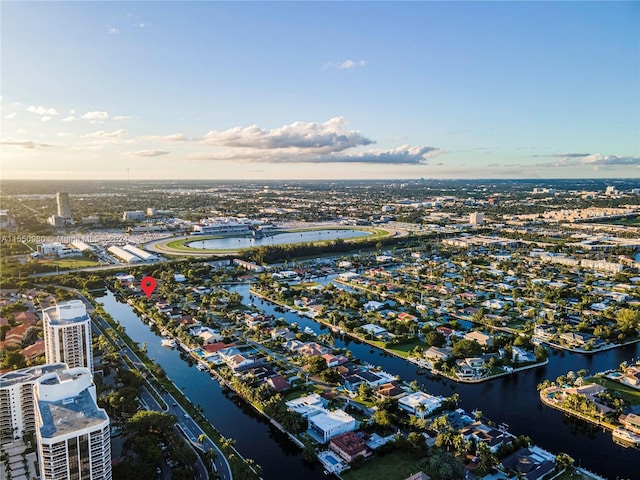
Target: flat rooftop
<point x="30" y="374"/>
<point x="69" y="415"/>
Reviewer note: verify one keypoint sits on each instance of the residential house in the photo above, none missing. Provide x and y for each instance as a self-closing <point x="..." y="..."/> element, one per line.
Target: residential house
<point x="479" y="337"/>
<point x="532" y="463"/>
<point x="349" y="445"/>
<point x="390" y="390"/>
<point x="420" y="404"/>
<point x="277" y="383"/>
<point x="325" y="424"/>
<point x="490" y="436"/>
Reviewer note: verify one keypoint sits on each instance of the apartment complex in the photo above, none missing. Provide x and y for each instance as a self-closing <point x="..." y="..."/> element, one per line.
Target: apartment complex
<point x="72" y="431"/>
<point x="67" y="334"/>
<point x="64" y="207"/>
<point x="17" y="400"/>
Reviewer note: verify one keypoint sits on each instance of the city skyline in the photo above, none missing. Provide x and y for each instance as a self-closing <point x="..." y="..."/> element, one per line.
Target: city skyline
<point x="366" y="90"/>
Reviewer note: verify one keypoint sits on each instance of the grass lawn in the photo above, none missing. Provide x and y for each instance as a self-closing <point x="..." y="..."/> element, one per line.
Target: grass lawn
<point x="71" y="263"/>
<point x="403" y="349"/>
<point x="393" y="466"/>
<point x="627" y="393"/>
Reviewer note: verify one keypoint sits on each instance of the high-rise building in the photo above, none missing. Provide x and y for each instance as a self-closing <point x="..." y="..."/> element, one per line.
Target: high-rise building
<point x="64" y="207"/>
<point x="17" y="401"/>
<point x="476" y="218"/>
<point x="73" y="433"/>
<point x="67" y="334"/>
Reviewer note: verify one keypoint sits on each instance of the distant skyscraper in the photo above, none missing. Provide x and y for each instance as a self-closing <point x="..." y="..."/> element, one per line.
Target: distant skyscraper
<point x="67" y="334"/>
<point x="476" y="218"/>
<point x="72" y="431"/>
<point x="64" y="208"/>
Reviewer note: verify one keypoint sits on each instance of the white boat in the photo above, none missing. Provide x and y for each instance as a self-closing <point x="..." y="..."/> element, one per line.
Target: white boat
<point x="202" y="367"/>
<point x="626" y="437"/>
<point x="169" y="342"/>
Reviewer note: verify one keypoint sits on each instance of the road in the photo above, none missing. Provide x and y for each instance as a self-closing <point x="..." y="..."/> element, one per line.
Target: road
<point x="189" y="428"/>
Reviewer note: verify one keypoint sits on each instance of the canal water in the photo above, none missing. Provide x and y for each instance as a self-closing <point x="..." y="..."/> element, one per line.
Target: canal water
<point x="233" y="418"/>
<point x="278" y="239"/>
<point x="511" y="400"/>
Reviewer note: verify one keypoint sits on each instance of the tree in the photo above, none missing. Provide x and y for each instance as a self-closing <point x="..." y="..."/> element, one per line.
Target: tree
<point x="382" y="418"/>
<point x="466" y="348"/>
<point x="316" y="364"/>
<point x="627" y="321"/>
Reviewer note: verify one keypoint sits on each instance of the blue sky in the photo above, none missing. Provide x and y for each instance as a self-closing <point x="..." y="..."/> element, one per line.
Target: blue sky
<point x="221" y="90"/>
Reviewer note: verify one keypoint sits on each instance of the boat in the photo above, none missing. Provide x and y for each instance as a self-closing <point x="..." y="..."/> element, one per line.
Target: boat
<point x="169" y="342"/>
<point x="625" y="437"/>
<point x="202" y="367"/>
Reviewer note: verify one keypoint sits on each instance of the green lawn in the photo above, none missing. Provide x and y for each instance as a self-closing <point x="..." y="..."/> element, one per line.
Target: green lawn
<point x="393" y="466"/>
<point x="627" y="393"/>
<point x="71" y="263"/>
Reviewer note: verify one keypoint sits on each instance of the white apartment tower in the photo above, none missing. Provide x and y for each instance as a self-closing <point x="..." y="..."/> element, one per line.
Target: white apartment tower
<point x="73" y="433"/>
<point x="64" y="207"/>
<point x="17" y="400"/>
<point x="67" y="334"/>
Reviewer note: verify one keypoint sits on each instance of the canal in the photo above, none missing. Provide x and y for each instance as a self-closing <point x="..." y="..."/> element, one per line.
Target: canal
<point x="512" y="400"/>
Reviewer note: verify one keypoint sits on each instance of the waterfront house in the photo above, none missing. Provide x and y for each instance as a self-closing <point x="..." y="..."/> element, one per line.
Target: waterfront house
<point x="325" y="424"/>
<point x="420" y="404"/>
<point x="533" y="463"/>
<point x="469" y="367"/>
<point x="277" y="383"/>
<point x="349" y="445"/>
<point x="631" y="376"/>
<point x="631" y="422"/>
<point x="390" y="390"/>
<point x="490" y="436"/>
<point x="306" y="405"/>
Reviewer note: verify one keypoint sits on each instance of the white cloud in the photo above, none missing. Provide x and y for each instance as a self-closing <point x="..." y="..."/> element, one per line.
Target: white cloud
<point x="70" y="118"/>
<point x="39" y="110"/>
<point x="45" y="118"/>
<point x="122" y="117"/>
<point x="174" y="137"/>
<point x="147" y="153"/>
<point x="64" y="134"/>
<point x="594" y="160"/>
<point x="29" y="144"/>
<point x="403" y="155"/>
<point x="103" y="134"/>
<point x="345" y="65"/>
<point x="113" y="31"/>
<point x="10" y="116"/>
<point x="302" y="142"/>
<point x="96" y="115"/>
<point x="319" y="138"/>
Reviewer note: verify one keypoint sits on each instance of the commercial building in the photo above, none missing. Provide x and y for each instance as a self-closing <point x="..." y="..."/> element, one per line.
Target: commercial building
<point x="476" y="218"/>
<point x="138" y="252"/>
<point x="133" y="215"/>
<point x="67" y="334"/>
<point x="64" y="207"/>
<point x="122" y="254"/>
<point x="73" y="433"/>
<point x="17" y="401"/>
<point x="59" y="250"/>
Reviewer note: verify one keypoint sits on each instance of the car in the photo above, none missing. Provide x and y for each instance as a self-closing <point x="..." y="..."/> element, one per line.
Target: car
<point x="175" y="404"/>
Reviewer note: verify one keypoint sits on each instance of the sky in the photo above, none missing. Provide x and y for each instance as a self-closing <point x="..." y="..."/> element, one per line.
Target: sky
<point x="319" y="90"/>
